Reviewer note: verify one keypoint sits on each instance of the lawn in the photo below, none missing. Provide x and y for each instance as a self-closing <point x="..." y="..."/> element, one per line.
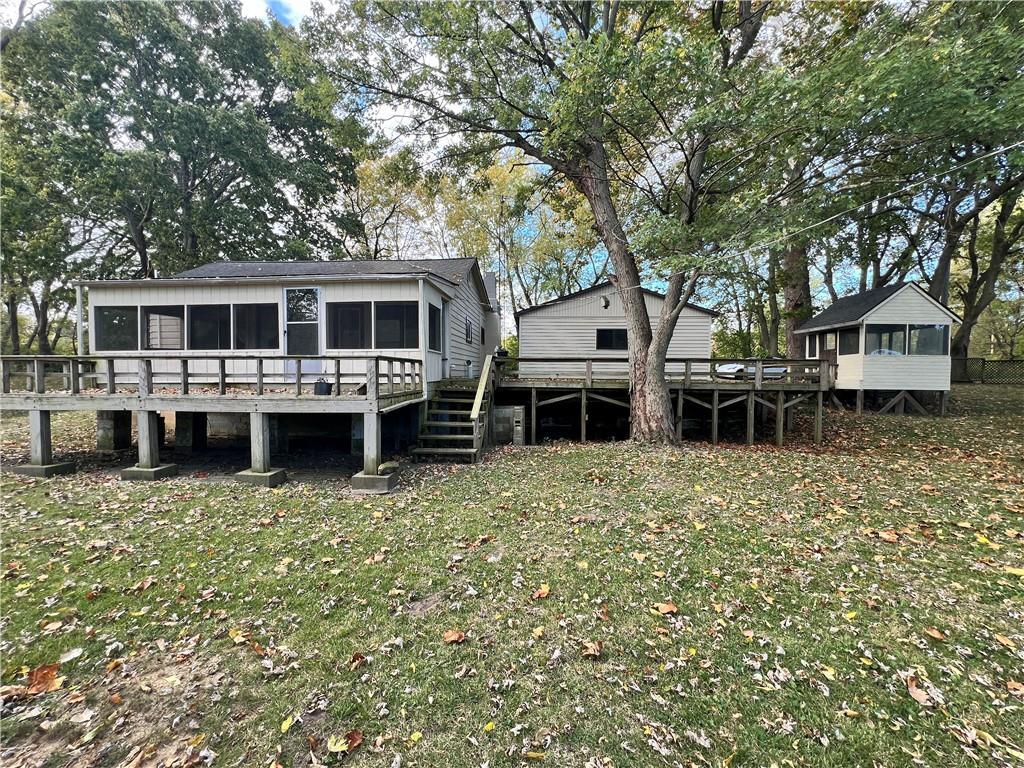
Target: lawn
<point x="566" y="605"/>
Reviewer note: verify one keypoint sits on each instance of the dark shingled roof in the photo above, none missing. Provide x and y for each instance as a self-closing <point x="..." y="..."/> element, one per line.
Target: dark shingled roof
<point x="850" y="309"/>
<point x="453" y="270"/>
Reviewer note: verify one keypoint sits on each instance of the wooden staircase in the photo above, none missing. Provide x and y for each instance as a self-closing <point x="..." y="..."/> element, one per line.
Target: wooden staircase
<point x="458" y="420"/>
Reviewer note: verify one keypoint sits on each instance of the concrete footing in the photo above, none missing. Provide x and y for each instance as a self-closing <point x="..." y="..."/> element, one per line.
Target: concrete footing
<point x="268" y="479"/>
<point x="365" y="483"/>
<point x="113" y="430"/>
<point x="43" y="470"/>
<point x="158" y="472"/>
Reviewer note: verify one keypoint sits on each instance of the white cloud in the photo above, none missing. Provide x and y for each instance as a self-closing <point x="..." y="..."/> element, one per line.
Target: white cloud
<point x="288" y="11"/>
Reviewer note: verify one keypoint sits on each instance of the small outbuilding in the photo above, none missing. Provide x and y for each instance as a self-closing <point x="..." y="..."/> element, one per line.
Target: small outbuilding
<point x="891" y="339"/>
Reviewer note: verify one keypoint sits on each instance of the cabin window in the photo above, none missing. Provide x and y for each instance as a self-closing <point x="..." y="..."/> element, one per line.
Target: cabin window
<point x="434" y="328"/>
<point x="117" y="329"/>
<point x="929" y="340"/>
<point x="349" y="325"/>
<point x="256" y="326"/>
<point x="469" y="331"/>
<point x="885" y="340"/>
<point x="830" y="341"/>
<point x="209" y="326"/>
<point x="482" y="340"/>
<point x="397" y="324"/>
<point x="164" y="327"/>
<point x="812" y="345"/>
<point x="849" y="341"/>
<point x="612" y="338"/>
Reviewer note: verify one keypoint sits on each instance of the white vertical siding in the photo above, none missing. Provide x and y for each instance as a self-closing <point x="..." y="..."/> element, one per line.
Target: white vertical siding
<point x="569" y="329"/>
<point x="908" y="306"/>
<point x="462" y="354"/>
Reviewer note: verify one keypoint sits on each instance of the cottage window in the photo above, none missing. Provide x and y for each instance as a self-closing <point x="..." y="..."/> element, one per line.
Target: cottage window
<point x="929" y="340"/>
<point x="117" y="329"/>
<point x="209" y="326"/>
<point x="885" y="340"/>
<point x="812" y="345"/>
<point x="256" y="326"/>
<point x="830" y="341"/>
<point x="434" y="328"/>
<point x="849" y="341"/>
<point x="469" y="331"/>
<point x="397" y="324"/>
<point x="164" y="327"/>
<point x="612" y="338"/>
<point x="349" y="325"/>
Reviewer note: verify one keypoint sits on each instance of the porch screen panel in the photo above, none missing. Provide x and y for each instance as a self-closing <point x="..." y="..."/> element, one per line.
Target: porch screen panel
<point x="612" y="338"/>
<point x="397" y="325"/>
<point x="209" y="326"/>
<point x="434" y="329"/>
<point x="849" y="341"/>
<point x="349" y="325"/>
<point x="117" y="329"/>
<point x="929" y="340"/>
<point x="885" y="340"/>
<point x="256" y="326"/>
<point x="164" y="327"/>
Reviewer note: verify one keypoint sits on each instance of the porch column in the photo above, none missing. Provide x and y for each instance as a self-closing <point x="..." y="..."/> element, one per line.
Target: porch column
<point x="149" y="466"/>
<point x="41" y="449"/>
<point x="371" y="443"/>
<point x="260" y="471"/>
<point x="113" y="430"/>
<point x="374" y="478"/>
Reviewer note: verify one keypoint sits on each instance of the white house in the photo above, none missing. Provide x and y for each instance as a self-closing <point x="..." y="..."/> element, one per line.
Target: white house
<point x="435" y="310"/>
<point x="591" y="324"/>
<point x="894" y="338"/>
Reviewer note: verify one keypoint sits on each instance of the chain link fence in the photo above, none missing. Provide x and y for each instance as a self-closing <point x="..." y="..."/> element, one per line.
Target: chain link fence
<point x="978" y="370"/>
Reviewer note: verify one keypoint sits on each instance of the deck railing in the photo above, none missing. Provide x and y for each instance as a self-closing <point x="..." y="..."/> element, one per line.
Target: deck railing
<point x="813" y="374"/>
<point x="485" y="387"/>
<point x="371" y="376"/>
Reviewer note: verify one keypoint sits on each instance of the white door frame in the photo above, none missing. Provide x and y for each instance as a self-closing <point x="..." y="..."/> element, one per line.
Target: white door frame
<point x="308" y="366"/>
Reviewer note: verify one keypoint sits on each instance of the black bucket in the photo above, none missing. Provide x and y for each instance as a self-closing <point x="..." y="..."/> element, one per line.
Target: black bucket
<point x="322" y="388"/>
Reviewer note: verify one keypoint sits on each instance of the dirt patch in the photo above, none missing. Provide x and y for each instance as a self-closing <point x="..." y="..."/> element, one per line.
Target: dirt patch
<point x="420" y="608"/>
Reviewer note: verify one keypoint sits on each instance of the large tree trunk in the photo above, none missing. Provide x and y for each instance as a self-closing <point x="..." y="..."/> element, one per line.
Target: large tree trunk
<point x="650" y="405"/>
<point x="796" y="293"/>
<point x="13" y="324"/>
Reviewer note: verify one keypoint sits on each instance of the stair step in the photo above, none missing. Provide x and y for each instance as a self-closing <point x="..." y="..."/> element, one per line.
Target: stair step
<point x="453" y="413"/>
<point x="444" y="451"/>
<point x="469" y="400"/>
<point x="460" y="424"/>
<point x="428" y="436"/>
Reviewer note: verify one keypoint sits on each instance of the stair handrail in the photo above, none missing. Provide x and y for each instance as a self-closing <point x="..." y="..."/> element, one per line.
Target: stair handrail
<point x="483" y="385"/>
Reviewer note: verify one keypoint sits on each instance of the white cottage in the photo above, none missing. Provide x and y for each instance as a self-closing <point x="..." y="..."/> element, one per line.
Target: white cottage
<point x="591" y="325"/>
<point x="889" y="339"/>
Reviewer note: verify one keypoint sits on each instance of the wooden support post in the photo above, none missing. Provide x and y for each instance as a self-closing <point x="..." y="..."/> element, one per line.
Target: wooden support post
<point x="184" y="376"/>
<point x="371" y="381"/>
<point x="860" y="402"/>
<point x="222" y="376"/>
<point x="688" y="374"/>
<point x="149" y="439"/>
<point x="111" y="376"/>
<point x="298" y="376"/>
<point x="819" y="408"/>
<point x="901" y="407"/>
<point x="145" y="378"/>
<point x="40" y="438"/>
<point x="39" y="378"/>
<point x="714" y="417"/>
<point x="590" y="373"/>
<point x="391" y="377"/>
<point x="259" y="375"/>
<point x="679" y="414"/>
<point x="750" y="416"/>
<point x="943" y="403"/>
<point x="337" y="376"/>
<point x="371" y="443"/>
<point x="780" y="414"/>
<point x="533" y="415"/>
<point x="583" y="415"/>
<point x="74" y="374"/>
<point x="758" y="373"/>
<point x="259" y="441"/>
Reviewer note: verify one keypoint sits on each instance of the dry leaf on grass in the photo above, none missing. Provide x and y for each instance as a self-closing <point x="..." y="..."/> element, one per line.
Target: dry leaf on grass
<point x="454" y="636"/>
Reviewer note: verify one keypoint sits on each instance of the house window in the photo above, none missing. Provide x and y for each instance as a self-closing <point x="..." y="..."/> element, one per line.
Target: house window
<point x="397" y="325"/>
<point x="349" y="325"/>
<point x="885" y="340"/>
<point x="612" y="338"/>
<point x="849" y="341"/>
<point x="117" y="329"/>
<point x="209" y="326"/>
<point x="812" y="345"/>
<point x="830" y="341"/>
<point x="434" y="328"/>
<point x="256" y="326"/>
<point x="929" y="340"/>
<point x="164" y="327"/>
<point x="469" y="331"/>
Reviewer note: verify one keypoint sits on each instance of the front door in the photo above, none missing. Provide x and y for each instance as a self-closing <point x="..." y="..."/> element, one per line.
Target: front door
<point x="302" y="327"/>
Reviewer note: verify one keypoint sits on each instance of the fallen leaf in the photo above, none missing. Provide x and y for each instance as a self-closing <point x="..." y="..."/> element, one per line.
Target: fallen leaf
<point x="287" y="723"/>
<point x="143" y="584"/>
<point x="43" y="679"/>
<point x="454" y="636"/>
<point x="1005" y="641"/>
<point x="1014" y="570"/>
<point x="592" y="649"/>
<point x="358" y="660"/>
<point x="71" y="655"/>
<point x="489" y="727"/>
<point x="916" y="693"/>
<point x="535" y="756"/>
<point x="541" y="592"/>
<point x="353" y="739"/>
<point x="935" y="633"/>
<point x="415" y="736"/>
<point x="665" y="608"/>
<point x="538" y="632"/>
<point x="83" y="717"/>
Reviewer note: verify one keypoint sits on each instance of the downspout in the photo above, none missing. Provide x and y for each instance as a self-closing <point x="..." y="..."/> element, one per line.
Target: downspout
<point x="79" y="319"/>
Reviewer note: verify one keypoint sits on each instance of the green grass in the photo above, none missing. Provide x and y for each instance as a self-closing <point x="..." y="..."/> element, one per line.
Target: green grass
<point x="805" y="584"/>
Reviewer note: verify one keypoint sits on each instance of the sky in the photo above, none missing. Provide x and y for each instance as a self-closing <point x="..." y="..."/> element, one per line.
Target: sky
<point x="287" y="11"/>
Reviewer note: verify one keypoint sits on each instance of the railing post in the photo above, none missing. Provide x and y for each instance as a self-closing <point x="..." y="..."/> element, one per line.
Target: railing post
<point x="222" y="377"/>
<point x="7" y="377"/>
<point x="590" y="372"/>
<point x="184" y="376"/>
<point x="259" y="375"/>
<point x="298" y="376"/>
<point x="75" y="383"/>
<point x="687" y="373"/>
<point x="758" y="373"/>
<point x="371" y="379"/>
<point x="39" y="377"/>
<point x="111" y="376"/>
<point x="145" y="377"/>
<point x="337" y="376"/>
<point x="391" y="377"/>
